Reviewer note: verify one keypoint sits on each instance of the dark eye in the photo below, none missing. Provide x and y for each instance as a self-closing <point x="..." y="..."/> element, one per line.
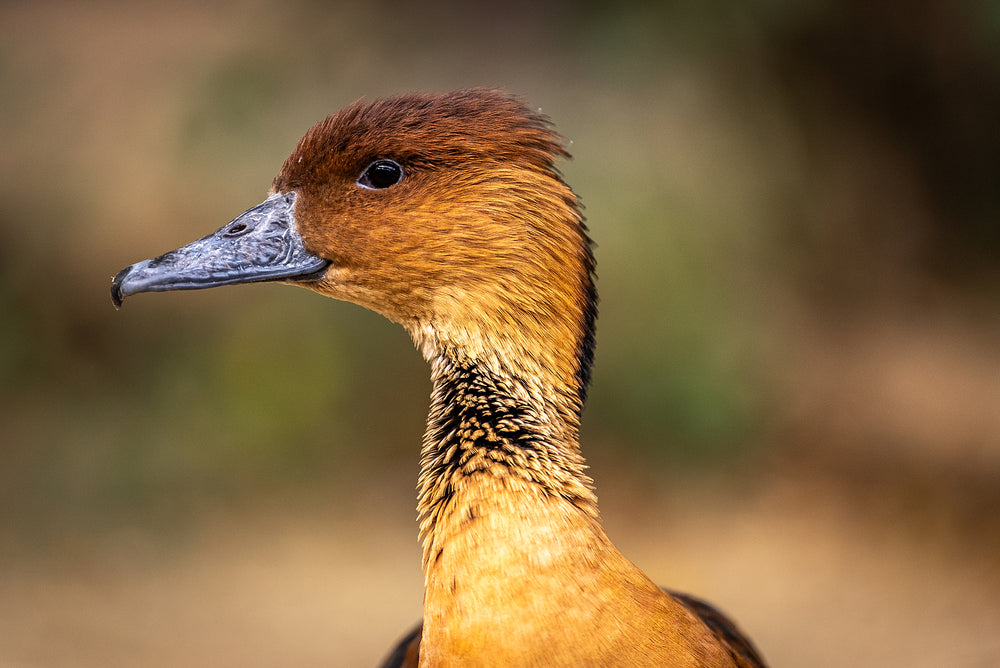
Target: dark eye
<point x="381" y="174"/>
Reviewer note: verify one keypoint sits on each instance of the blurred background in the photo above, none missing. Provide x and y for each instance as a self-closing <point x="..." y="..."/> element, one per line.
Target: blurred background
<point x="796" y="403"/>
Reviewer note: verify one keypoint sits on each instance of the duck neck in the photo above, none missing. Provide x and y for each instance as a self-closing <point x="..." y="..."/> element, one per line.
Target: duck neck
<point x="498" y="436"/>
<point x="511" y="535"/>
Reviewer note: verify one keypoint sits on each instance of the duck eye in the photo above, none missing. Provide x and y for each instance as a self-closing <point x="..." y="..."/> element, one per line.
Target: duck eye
<point x="381" y="174"/>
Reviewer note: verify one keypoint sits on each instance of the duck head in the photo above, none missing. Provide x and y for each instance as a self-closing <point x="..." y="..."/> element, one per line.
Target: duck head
<point x="444" y="213"/>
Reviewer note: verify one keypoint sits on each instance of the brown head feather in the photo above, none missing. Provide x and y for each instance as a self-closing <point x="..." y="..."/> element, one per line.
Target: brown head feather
<point x="481" y="244"/>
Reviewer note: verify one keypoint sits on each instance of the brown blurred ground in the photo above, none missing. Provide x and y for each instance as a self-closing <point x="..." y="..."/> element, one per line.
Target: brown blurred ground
<point x="796" y="410"/>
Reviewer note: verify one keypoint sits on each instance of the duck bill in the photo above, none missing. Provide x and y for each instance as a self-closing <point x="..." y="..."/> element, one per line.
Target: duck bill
<point x="262" y="244"/>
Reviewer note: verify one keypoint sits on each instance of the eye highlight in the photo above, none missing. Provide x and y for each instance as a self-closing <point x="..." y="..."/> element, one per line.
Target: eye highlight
<point x="381" y="174"/>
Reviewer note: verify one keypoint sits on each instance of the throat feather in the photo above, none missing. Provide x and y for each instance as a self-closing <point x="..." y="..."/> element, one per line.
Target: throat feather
<point x="489" y="428"/>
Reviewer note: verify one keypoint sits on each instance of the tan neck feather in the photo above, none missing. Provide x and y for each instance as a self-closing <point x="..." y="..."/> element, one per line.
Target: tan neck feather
<point x="517" y="568"/>
<point x="496" y="425"/>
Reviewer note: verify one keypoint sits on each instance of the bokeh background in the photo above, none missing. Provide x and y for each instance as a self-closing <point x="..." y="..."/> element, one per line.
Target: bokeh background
<point x="796" y="404"/>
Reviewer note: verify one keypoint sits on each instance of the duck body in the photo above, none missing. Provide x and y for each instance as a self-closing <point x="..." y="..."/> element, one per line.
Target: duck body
<point x="446" y="214"/>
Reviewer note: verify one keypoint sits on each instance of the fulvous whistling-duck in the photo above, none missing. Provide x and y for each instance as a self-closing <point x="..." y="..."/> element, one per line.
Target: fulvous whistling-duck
<point x="446" y="214"/>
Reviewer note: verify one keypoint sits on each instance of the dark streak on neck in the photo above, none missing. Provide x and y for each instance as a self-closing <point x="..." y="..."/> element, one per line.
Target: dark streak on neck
<point x="481" y="423"/>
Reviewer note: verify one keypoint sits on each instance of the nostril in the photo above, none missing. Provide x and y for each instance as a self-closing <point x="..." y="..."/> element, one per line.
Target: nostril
<point x="235" y="229"/>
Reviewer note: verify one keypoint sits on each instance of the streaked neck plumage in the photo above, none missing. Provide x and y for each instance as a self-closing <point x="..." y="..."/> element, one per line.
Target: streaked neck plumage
<point x="510" y="375"/>
<point x="508" y="514"/>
